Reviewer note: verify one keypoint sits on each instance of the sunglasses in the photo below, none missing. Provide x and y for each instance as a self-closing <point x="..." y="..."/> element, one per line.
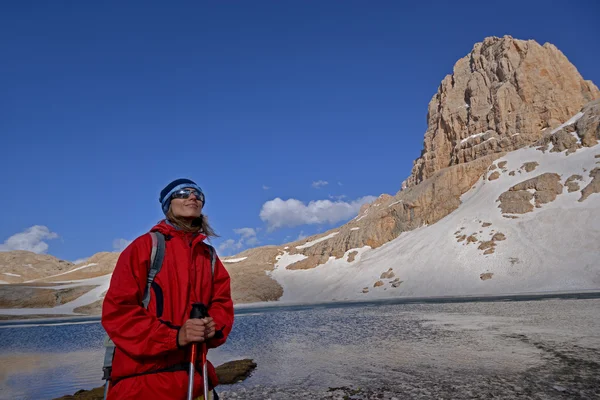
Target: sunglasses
<point x="186" y="193"/>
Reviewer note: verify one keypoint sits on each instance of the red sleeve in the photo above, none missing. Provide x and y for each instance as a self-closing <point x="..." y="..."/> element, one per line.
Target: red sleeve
<point x="221" y="307"/>
<point x="130" y="326"/>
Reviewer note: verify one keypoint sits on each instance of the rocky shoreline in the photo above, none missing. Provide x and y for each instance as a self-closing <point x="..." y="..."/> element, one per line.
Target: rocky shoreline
<point x="229" y="373"/>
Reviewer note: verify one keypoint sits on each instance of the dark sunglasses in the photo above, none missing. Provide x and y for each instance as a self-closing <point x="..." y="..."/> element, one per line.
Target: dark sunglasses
<point x="186" y="193"/>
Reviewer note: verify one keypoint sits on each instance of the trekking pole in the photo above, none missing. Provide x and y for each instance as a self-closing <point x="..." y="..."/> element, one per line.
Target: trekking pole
<point x="106" y="390"/>
<point x="204" y="370"/>
<point x="198" y="311"/>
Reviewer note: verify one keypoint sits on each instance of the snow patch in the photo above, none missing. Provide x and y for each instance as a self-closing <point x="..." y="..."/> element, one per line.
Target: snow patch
<point x="63" y="273"/>
<point x="101" y="282"/>
<point x="312" y="243"/>
<point x="331" y="280"/>
<point x="355" y="228"/>
<point x="234" y="260"/>
<point x="472" y="136"/>
<point x="10" y="274"/>
<point x="571" y="121"/>
<point x="286" y="259"/>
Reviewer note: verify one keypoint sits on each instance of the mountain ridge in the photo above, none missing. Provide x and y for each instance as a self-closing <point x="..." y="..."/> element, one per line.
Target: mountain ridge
<point x="459" y="157"/>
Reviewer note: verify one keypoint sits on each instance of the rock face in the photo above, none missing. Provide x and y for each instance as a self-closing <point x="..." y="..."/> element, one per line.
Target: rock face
<point x="583" y="130"/>
<point x="593" y="186"/>
<point x="18" y="296"/>
<point x="249" y="283"/>
<point x="486" y="276"/>
<point x="19" y="265"/>
<point x="494" y="176"/>
<point x="235" y="371"/>
<point x="529" y="166"/>
<point x="588" y="126"/>
<point x="500" y="97"/>
<point x="99" y="264"/>
<point x="389" y="274"/>
<point x="517" y="200"/>
<point x="571" y="183"/>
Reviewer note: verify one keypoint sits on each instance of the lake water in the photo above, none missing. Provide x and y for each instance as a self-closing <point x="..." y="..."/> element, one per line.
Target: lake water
<point x="542" y="349"/>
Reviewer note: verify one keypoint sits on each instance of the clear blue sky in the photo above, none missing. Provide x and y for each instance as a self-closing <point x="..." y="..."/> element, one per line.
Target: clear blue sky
<point x="103" y="103"/>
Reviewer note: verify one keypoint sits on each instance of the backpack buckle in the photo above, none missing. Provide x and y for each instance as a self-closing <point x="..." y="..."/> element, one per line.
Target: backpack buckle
<point x="107" y="371"/>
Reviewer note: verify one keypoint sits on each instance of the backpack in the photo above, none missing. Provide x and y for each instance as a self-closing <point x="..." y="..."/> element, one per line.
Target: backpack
<point x="156" y="260"/>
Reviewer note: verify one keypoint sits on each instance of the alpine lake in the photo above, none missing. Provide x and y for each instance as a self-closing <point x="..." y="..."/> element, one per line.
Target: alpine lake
<point x="504" y="347"/>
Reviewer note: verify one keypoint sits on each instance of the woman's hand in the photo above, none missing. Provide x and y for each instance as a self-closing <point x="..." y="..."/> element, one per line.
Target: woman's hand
<point x="193" y="330"/>
<point x="209" y="328"/>
<point x="196" y="330"/>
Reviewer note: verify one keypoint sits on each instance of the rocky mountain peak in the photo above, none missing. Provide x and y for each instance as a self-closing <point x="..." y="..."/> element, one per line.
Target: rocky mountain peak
<point x="500" y="97"/>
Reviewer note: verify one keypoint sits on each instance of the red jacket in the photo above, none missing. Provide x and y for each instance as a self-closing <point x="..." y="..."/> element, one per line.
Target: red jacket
<point x="146" y="340"/>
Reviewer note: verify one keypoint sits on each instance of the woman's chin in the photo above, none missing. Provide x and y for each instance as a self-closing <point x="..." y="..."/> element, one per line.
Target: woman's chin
<point x="189" y="216"/>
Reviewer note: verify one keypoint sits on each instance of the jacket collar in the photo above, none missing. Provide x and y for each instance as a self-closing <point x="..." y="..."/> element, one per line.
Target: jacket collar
<point x="168" y="229"/>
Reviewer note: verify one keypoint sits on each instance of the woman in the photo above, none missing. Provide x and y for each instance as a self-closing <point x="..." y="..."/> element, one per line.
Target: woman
<point x="151" y="345"/>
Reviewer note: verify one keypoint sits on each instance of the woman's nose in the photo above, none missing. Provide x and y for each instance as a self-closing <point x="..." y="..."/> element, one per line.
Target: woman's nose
<point x="194" y="195"/>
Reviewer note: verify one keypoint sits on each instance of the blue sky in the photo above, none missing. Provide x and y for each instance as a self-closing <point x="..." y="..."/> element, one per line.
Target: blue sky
<point x="103" y="104"/>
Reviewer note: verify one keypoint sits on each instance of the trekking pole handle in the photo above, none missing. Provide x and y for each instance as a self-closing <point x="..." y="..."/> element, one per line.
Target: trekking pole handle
<point x="199" y="311"/>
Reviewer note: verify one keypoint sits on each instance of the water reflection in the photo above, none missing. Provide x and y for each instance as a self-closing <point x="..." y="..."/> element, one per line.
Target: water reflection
<point x="48" y="375"/>
<point x="324" y="347"/>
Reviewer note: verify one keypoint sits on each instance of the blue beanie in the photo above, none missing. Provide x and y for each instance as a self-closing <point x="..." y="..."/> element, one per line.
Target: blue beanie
<point x="177" y="184"/>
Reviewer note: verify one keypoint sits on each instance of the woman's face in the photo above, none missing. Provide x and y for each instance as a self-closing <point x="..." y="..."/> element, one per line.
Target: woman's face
<point x="187" y="208"/>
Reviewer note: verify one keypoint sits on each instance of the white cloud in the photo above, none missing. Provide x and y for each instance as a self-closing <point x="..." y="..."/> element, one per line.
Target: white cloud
<point x="120" y="244"/>
<point x="265" y="187"/>
<point x="229" y="244"/>
<point x="319" y="184"/>
<point x="301" y="235"/>
<point x="340" y="197"/>
<point x="32" y="239"/>
<point x="245" y="232"/>
<point x="248" y="238"/>
<point x="80" y="260"/>
<point x="278" y="213"/>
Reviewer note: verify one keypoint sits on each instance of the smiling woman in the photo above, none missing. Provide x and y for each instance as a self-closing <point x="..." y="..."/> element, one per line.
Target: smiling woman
<point x="147" y="309"/>
<point x="182" y="201"/>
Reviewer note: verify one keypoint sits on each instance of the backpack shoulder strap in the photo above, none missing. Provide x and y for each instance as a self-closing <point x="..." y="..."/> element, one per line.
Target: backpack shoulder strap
<point x="156" y="260"/>
<point x="213" y="259"/>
